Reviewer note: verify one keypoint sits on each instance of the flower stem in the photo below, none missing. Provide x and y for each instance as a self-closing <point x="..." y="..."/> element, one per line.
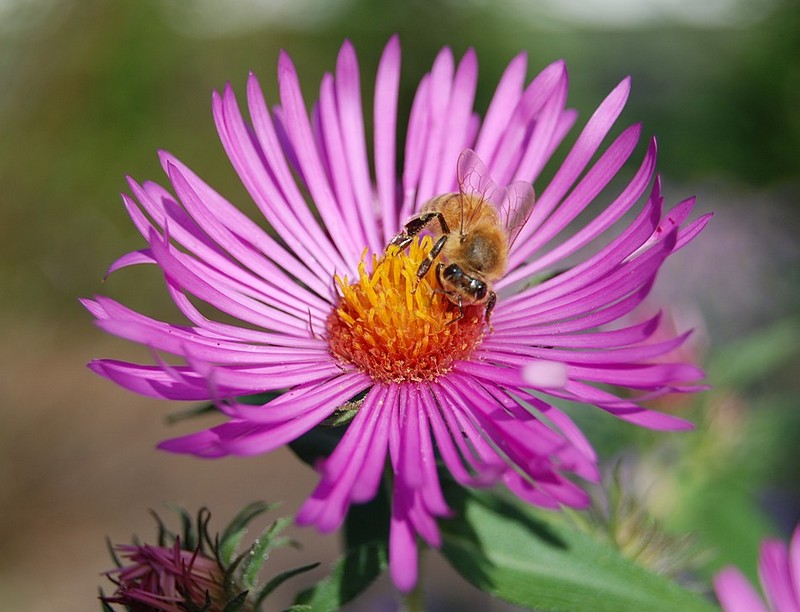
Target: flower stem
<point x="415" y="600"/>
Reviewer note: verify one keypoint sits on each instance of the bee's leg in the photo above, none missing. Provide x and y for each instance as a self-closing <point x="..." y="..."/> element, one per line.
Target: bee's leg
<point x="460" y="304"/>
<point x="489" y="307"/>
<point x="415" y="226"/>
<point x="426" y="263"/>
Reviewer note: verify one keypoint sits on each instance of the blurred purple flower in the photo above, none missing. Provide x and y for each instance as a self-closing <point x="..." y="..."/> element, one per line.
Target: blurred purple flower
<point x="166" y="578"/>
<point x="476" y="397"/>
<point x="779" y="572"/>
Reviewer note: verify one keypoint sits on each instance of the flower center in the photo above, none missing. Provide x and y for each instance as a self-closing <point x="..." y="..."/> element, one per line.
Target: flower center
<point x="397" y="329"/>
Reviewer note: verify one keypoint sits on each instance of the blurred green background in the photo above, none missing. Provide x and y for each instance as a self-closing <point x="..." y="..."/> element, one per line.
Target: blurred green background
<point x="92" y="88"/>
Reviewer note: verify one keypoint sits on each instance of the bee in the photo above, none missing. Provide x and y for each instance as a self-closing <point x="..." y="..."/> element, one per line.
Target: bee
<point x="473" y="231"/>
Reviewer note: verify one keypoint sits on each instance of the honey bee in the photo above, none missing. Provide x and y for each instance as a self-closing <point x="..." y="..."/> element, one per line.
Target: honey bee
<point x="474" y="231"/>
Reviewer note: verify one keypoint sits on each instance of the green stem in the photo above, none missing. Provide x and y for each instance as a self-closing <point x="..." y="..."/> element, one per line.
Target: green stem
<point x="415" y="601"/>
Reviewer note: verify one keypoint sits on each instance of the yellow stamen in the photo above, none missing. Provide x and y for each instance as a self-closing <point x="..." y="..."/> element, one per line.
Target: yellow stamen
<point x="397" y="328"/>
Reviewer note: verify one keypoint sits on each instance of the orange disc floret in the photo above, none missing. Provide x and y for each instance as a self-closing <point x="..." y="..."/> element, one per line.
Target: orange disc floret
<point x="397" y="329"/>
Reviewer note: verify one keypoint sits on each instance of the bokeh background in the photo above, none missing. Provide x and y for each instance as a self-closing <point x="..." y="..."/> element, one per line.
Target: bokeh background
<point x="92" y="88"/>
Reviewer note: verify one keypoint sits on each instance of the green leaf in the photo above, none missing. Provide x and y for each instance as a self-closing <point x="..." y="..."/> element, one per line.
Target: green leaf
<point x="232" y="536"/>
<point x="191" y="413"/>
<point x="237" y="603"/>
<point x="256" y="399"/>
<point x="278" y="580"/>
<point x="317" y="444"/>
<point x="342" y="416"/>
<point x="254" y="558"/>
<point x="534" y="559"/>
<point x="369" y="522"/>
<point x="322" y="440"/>
<point x="350" y="576"/>
<point x="752" y="359"/>
<point x="259" y="399"/>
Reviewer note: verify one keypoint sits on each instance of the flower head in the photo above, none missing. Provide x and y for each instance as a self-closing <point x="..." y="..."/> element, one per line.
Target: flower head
<point x="779" y="571"/>
<point x="166" y="578"/>
<point x="195" y="571"/>
<point x="393" y="325"/>
<point x="328" y="314"/>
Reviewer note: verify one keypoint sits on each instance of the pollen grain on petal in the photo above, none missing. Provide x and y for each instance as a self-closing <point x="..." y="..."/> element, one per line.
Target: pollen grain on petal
<point x="396" y="329"/>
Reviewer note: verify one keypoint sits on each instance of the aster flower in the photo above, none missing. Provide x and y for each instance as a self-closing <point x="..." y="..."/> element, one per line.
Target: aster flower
<point x="166" y="578"/>
<point x="195" y="572"/>
<point x="324" y="316"/>
<point x="779" y="572"/>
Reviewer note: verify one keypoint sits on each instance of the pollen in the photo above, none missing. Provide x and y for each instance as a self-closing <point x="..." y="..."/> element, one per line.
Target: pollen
<point x="397" y="328"/>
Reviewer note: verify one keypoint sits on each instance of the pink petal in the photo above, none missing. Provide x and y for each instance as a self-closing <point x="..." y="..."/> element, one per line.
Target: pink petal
<point x="735" y="594"/>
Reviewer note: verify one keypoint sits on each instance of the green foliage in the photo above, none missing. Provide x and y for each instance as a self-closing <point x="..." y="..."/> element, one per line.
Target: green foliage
<point x="317" y="444"/>
<point x="750" y="360"/>
<point x="710" y="482"/>
<point x="537" y="560"/>
<point x="353" y="573"/>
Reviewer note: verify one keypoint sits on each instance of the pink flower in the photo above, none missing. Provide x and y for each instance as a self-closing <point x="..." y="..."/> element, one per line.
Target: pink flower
<point x="425" y="382"/>
<point x="166" y="578"/>
<point x="779" y="571"/>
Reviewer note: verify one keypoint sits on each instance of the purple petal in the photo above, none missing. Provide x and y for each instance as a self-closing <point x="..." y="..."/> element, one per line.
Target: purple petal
<point x="776" y="577"/>
<point x="179" y="341"/>
<point x="416" y="139"/>
<point x="552" y="124"/>
<point x="626" y="410"/>
<point x="133" y="258"/>
<point x="522" y="124"/>
<point x="441" y="81"/>
<point x="298" y="129"/>
<point x="304" y="398"/>
<point x="458" y="117"/>
<point x="735" y="594"/>
<point x="333" y="140"/>
<point x="409" y="468"/>
<point x="508" y="339"/>
<point x="582" y="151"/>
<point x="545" y="374"/>
<point x="403" y="555"/>
<point x="176" y="267"/>
<point x="387" y="85"/>
<point x="362" y="448"/>
<point x="292" y="219"/>
<point x="267" y="285"/>
<point x="152" y="381"/>
<point x="501" y="108"/>
<point x="351" y="118"/>
<point x="574" y="205"/>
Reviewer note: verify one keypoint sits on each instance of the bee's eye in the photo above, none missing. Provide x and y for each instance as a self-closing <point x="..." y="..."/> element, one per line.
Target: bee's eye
<point x="478" y="288"/>
<point x="452" y="271"/>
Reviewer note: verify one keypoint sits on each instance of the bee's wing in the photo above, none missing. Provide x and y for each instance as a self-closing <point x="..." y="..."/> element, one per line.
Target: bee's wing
<point x="514" y="203"/>
<point x="474" y="180"/>
<point x="473" y="177"/>
<point x="516" y="208"/>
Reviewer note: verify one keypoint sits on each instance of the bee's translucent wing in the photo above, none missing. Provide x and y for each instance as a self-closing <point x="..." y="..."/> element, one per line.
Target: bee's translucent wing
<point x="474" y="180"/>
<point x="514" y="203"/>
<point x="516" y="208"/>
